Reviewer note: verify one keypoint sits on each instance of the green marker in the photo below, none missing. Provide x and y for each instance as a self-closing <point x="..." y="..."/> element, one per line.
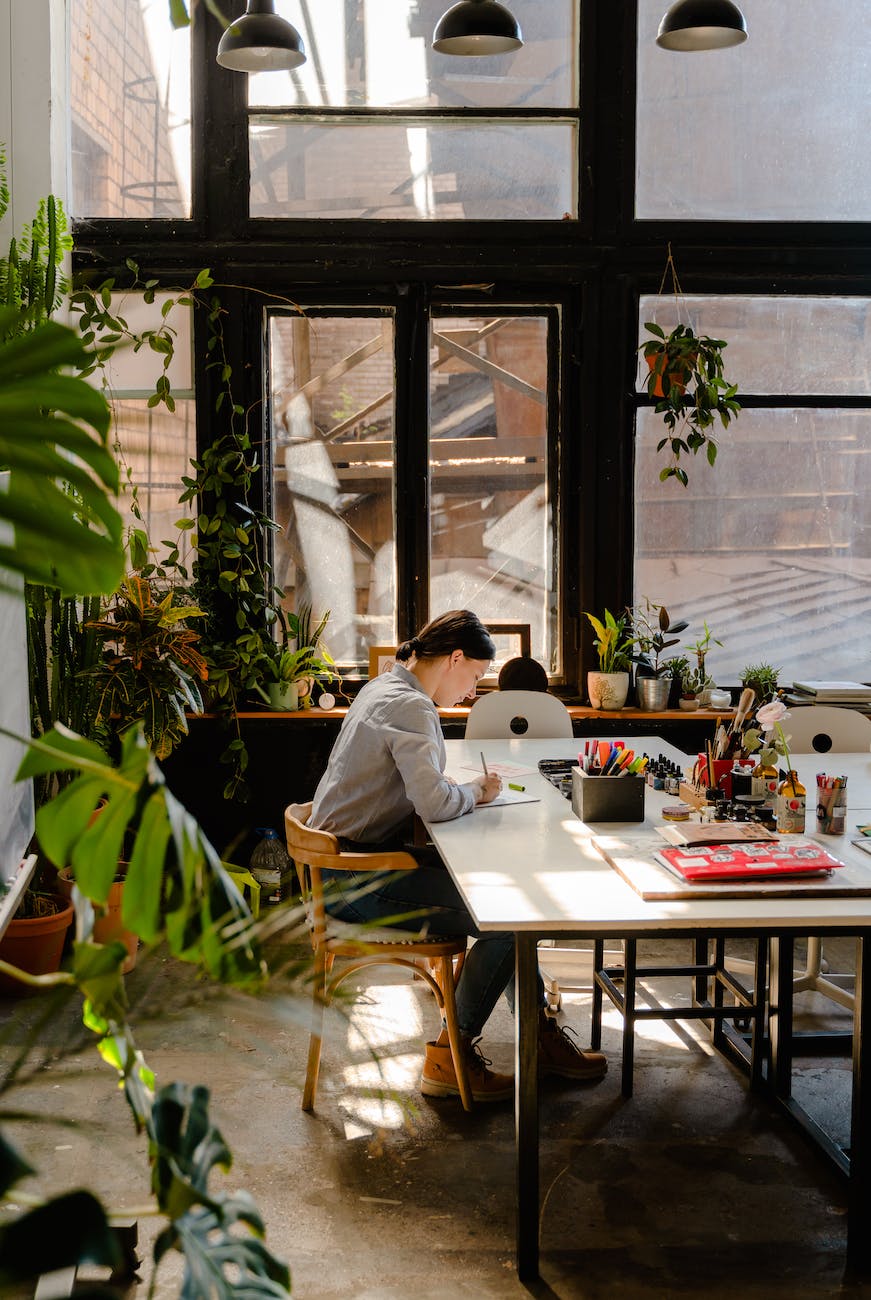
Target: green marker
<point x="512" y="786"/>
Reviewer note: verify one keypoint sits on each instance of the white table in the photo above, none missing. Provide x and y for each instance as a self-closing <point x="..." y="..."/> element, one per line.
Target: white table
<point x="532" y="868"/>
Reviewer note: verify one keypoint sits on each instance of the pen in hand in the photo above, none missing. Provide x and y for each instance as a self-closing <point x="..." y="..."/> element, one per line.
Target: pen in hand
<point x="484" y="763"/>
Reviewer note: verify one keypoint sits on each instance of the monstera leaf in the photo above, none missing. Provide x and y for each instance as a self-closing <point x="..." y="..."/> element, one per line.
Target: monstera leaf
<point x="54" y="441"/>
<point x="220" y="1260"/>
<point x="176" y="887"/>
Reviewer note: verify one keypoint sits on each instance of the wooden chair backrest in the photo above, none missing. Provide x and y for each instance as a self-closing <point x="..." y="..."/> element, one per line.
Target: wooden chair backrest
<point x="313" y="851"/>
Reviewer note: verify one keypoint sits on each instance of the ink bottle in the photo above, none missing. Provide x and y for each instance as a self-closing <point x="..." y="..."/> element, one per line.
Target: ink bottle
<point x="791" y="801"/>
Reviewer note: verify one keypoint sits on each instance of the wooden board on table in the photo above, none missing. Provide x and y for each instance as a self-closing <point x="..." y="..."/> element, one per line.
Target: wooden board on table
<point x="632" y="859"/>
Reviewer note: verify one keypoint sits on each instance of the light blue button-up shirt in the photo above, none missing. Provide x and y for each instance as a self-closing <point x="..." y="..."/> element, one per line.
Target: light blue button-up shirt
<point x="387" y="763"/>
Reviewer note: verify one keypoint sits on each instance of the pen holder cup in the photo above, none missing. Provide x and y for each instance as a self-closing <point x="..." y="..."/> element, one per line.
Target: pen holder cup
<point x="722" y="773"/>
<point x="607" y="798"/>
<point x="832" y="811"/>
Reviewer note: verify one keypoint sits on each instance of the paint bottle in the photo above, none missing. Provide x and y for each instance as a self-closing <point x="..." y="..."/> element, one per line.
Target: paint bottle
<point x="791" y="800"/>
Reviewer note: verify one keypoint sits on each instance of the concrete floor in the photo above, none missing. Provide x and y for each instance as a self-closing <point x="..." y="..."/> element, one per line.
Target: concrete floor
<point x="691" y="1189"/>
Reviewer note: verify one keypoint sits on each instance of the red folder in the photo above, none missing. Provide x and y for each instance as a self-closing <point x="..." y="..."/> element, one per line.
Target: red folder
<point x="748" y="861"/>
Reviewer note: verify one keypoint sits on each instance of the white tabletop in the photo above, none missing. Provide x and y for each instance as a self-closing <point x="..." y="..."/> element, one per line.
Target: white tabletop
<point x="532" y="866"/>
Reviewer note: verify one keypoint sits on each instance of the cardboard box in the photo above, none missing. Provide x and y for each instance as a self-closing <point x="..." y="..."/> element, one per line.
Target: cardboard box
<point x="607" y="798"/>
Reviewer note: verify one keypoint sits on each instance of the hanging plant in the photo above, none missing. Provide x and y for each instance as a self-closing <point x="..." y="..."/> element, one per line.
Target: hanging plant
<point x="686" y="379"/>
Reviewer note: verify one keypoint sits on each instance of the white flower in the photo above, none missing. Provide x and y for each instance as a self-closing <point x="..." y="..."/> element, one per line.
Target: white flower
<point x="772" y="713"/>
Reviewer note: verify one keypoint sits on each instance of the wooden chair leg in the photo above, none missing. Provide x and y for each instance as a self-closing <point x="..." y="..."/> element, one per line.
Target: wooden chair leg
<point x="446" y="982"/>
<point x="323" y="965"/>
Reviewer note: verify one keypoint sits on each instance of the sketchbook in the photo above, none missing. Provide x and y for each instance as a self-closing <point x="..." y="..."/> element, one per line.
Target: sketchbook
<point x="714" y="832"/>
<point x="506" y="797"/>
<point x="748" y="861"/>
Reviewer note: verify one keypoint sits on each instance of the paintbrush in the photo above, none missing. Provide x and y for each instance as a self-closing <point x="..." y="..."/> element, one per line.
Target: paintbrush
<point x="745" y="704"/>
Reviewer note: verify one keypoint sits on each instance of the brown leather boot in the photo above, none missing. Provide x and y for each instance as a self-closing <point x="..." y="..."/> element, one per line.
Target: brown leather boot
<point x="439" y="1078"/>
<point x="560" y="1053"/>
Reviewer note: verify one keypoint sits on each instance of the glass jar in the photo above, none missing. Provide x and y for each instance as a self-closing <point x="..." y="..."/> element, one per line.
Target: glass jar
<point x="765" y="784"/>
<point x="791" y="799"/>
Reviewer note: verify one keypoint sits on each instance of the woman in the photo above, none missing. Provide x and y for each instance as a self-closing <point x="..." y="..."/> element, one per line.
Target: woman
<point x="388" y="764"/>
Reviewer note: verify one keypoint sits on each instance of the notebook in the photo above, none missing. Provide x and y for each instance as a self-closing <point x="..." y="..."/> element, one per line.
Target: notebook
<point x="702" y="862"/>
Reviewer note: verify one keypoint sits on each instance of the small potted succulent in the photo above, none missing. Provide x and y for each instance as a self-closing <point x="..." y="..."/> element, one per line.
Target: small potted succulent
<point x="609" y="687"/>
<point x="762" y="680"/>
<point x="692" y="683"/>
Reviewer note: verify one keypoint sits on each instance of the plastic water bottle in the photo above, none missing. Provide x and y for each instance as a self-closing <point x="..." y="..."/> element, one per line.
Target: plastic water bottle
<point x="269" y="864"/>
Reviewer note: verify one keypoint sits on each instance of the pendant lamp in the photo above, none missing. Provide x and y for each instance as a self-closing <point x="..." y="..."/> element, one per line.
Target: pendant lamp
<point x="477" y="27"/>
<point x="260" y="41"/>
<point x="702" y="25"/>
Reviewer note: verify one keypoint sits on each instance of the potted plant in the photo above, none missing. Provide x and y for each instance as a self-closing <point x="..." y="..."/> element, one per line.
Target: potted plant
<point x="34" y="938"/>
<point x="609" y="687"/>
<point x="653" y="632"/>
<point x="700" y="649"/>
<point x="692" y="684"/>
<point x="686" y="378"/>
<point x="288" y="674"/>
<point x="150" y="666"/>
<point x="762" y="680"/>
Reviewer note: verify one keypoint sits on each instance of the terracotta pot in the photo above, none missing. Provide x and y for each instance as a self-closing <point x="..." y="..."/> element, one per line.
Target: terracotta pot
<point x="35" y="944"/>
<point x="108" y="926"/>
<point x="676" y="379"/>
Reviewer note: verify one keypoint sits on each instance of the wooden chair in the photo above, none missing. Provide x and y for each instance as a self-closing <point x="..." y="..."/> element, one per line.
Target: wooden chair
<point x="357" y="946"/>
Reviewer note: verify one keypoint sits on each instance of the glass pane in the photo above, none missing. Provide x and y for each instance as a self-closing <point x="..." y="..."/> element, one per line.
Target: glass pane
<point x="130" y="108"/>
<point x="155" y="448"/>
<point x="378" y="53"/>
<point x="771" y="545"/>
<point x="771" y="130"/>
<point x="779" y="345"/>
<point x="492" y="526"/>
<point x="331" y="386"/>
<point x="419" y="170"/>
<point x="135" y="373"/>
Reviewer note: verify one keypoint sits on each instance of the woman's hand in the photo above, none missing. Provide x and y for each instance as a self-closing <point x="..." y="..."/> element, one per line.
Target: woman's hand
<point x="487" y="787"/>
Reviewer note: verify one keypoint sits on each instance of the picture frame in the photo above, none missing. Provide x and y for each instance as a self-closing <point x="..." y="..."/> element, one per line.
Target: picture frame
<point x="520" y="630"/>
<point x="381" y="659"/>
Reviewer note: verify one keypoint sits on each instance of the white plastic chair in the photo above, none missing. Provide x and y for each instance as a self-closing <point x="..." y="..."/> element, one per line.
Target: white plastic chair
<point x="538" y="716"/>
<point x="503" y="714"/>
<point x="817" y="729"/>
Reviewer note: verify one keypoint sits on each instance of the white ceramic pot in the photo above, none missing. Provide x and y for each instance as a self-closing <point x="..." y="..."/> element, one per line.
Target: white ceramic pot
<point x="607" y="690"/>
<point x="688" y="705"/>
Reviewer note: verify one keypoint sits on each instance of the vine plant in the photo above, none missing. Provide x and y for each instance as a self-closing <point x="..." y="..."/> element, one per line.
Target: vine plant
<point x="230" y="579"/>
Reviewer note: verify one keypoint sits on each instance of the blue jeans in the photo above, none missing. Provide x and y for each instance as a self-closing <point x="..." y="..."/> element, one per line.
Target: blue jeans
<point x="488" y="970"/>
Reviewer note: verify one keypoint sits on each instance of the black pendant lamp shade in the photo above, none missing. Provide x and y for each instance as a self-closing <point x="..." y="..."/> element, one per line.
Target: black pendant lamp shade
<point x="702" y="25"/>
<point x="477" y="27"/>
<point x="260" y="41"/>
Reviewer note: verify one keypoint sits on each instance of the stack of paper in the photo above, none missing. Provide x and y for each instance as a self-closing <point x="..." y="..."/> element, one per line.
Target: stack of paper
<point x="820" y="692"/>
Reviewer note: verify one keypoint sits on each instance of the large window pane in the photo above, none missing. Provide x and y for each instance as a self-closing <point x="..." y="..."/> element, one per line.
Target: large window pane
<point x="378" y="54"/>
<point x="155" y="448"/>
<point x="130" y="110"/>
<point x="418" y="170"/>
<point x="771" y="130"/>
<point x="492" y="527"/>
<point x="794" y="345"/>
<point x="771" y="545"/>
<point x="332" y="415"/>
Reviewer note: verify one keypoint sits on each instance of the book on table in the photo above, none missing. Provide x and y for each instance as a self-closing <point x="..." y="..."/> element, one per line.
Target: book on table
<point x="826" y="692"/>
<point x="704" y="862"/>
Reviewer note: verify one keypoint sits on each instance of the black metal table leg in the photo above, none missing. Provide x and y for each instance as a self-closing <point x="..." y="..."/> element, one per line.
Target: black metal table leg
<point x="526" y="1104"/>
<point x="780" y="1000"/>
<point x="859" y="1189"/>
